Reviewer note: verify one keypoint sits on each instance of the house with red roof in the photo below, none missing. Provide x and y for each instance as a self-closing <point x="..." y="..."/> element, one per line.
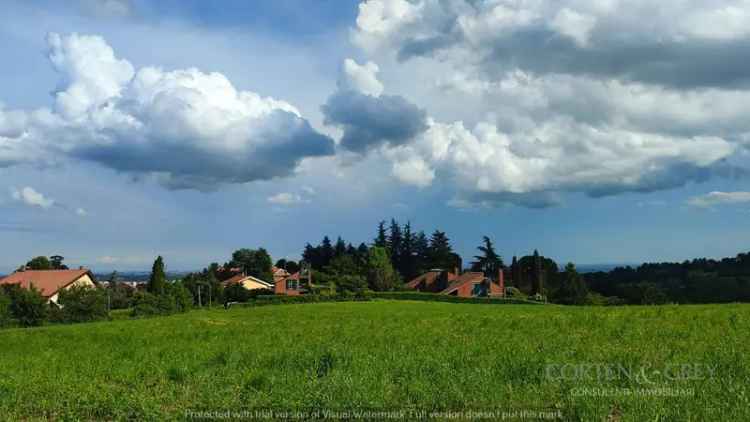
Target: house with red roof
<point x="51" y="282"/>
<point x="247" y="281"/>
<point x="468" y="284"/>
<point x="290" y="285"/>
<point x="433" y="281"/>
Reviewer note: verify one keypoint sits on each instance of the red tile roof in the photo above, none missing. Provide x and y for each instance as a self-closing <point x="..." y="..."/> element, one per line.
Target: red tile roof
<point x="428" y="279"/>
<point x="467" y="277"/>
<point x="240" y="278"/>
<point x="47" y="282"/>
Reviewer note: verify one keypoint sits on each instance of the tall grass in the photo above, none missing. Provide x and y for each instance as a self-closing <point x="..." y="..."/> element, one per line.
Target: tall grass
<point x="377" y="355"/>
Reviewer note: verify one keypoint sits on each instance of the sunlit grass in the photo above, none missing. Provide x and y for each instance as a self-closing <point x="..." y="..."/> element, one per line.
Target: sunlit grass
<point x="381" y="354"/>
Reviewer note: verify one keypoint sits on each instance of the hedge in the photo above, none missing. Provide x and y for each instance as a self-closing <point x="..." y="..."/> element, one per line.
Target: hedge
<point x="434" y="297"/>
<point x="263" y="300"/>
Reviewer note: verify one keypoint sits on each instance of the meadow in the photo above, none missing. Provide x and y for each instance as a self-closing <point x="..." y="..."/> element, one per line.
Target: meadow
<point x="387" y="355"/>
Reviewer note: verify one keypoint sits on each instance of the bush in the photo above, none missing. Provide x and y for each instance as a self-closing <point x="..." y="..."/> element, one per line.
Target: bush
<point x="182" y="297"/>
<point x="82" y="304"/>
<point x="176" y="298"/>
<point x="236" y="293"/>
<point x="120" y="296"/>
<point x="262" y="300"/>
<point x="514" y="292"/>
<point x="6" y="318"/>
<point x="145" y="304"/>
<point x="28" y="306"/>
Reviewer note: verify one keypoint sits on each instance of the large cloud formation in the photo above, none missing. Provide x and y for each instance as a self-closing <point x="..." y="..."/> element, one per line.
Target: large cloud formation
<point x="186" y="128"/>
<point x="536" y="98"/>
<point x="368" y="118"/>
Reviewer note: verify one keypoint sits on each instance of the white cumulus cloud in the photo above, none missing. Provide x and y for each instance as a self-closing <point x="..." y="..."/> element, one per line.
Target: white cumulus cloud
<point x="525" y="100"/>
<point x="185" y="128"/>
<point x="29" y="196"/>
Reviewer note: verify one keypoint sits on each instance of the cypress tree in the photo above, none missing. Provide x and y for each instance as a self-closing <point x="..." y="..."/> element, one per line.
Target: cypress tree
<point x="158" y="280"/>
<point x="515" y="278"/>
<point x="537" y="277"/>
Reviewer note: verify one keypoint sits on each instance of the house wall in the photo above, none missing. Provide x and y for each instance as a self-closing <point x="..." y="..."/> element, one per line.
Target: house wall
<point x="84" y="280"/>
<point x="498" y="288"/>
<point x="465" y="290"/>
<point x="280" y="288"/>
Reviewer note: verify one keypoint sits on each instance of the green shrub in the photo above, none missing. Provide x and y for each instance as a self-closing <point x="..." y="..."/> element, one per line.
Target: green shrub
<point x="28" y="306"/>
<point x="166" y="304"/>
<point x="514" y="292"/>
<point x="6" y="317"/>
<point x="262" y="300"/>
<point x="236" y="293"/>
<point x="182" y="297"/>
<point x="145" y="304"/>
<point x="120" y="296"/>
<point x="82" y="304"/>
<point x="176" y="298"/>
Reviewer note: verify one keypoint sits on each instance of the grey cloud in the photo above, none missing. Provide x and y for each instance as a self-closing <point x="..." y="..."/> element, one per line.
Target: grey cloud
<point x="533" y="200"/>
<point x="694" y="64"/>
<point x="370" y="121"/>
<point x="284" y="141"/>
<point x="669" y="177"/>
<point x="617" y="49"/>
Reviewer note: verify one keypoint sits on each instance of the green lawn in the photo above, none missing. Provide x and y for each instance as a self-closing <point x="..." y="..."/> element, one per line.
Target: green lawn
<point x="389" y="355"/>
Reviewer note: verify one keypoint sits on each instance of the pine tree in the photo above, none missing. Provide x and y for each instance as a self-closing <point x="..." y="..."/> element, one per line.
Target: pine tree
<point x="340" y="248"/>
<point x="381" y="240"/>
<point x="158" y="280"/>
<point x="489" y="262"/>
<point x="395" y="241"/>
<point x="572" y="290"/>
<point x="311" y="255"/>
<point x="408" y="257"/>
<point x="326" y="252"/>
<point x="421" y="253"/>
<point x="440" y="252"/>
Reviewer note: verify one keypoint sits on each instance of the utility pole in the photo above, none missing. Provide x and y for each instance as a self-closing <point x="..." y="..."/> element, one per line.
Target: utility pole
<point x="200" y="304"/>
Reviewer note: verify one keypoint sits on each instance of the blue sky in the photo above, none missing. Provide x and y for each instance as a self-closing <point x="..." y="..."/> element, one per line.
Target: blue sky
<point x="414" y="110"/>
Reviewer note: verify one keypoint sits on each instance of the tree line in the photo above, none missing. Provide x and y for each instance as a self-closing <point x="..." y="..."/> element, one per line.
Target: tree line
<point x="697" y="281"/>
<point x="409" y="252"/>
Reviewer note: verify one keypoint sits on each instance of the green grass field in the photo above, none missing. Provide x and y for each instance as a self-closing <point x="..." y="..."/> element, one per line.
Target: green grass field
<point x="388" y="355"/>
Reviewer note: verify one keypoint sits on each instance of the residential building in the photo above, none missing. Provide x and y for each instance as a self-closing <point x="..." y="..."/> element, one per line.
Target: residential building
<point x="468" y="284"/>
<point x="247" y="281"/>
<point x="290" y="285"/>
<point x="51" y="282"/>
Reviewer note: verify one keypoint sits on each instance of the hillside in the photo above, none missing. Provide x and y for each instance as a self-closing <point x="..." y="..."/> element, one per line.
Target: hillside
<point x="384" y="355"/>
